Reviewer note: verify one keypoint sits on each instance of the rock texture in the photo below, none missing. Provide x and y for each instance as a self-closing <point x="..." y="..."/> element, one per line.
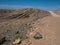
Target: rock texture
<point x="19" y="21"/>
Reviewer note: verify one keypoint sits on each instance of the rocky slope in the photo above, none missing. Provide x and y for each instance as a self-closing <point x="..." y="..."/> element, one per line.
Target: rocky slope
<point x="19" y="22"/>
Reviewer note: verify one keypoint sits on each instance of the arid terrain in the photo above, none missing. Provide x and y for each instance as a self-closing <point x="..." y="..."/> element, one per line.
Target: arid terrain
<point x="57" y="11"/>
<point x="23" y="24"/>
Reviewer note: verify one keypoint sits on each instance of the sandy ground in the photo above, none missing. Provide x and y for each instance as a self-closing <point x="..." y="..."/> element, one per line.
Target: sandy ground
<point x="49" y="27"/>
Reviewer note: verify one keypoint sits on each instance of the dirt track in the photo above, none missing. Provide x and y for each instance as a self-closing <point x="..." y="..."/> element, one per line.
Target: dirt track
<point x="54" y="14"/>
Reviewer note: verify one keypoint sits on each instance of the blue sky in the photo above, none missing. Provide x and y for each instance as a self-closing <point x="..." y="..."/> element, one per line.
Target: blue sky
<point x="41" y="4"/>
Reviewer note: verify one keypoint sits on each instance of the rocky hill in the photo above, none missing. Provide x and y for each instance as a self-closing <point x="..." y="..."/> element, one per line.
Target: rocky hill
<point x="18" y="22"/>
<point x="22" y="13"/>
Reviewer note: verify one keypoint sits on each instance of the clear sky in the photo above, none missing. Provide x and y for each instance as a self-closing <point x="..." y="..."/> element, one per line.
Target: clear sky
<point x="42" y="4"/>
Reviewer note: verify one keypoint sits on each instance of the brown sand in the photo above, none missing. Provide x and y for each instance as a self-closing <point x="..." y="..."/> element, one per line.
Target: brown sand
<point x="49" y="27"/>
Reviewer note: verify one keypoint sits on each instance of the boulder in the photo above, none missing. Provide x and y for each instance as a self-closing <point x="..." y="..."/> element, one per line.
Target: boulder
<point x="38" y="35"/>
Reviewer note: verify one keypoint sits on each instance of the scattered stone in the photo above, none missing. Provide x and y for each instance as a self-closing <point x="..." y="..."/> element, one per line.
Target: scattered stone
<point x="26" y="42"/>
<point x="38" y="36"/>
<point x="30" y="34"/>
<point x="17" y="41"/>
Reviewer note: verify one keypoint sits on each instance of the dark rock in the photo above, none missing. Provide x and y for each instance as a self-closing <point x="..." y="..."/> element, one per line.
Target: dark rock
<point x="2" y="39"/>
<point x="38" y="36"/>
<point x="17" y="32"/>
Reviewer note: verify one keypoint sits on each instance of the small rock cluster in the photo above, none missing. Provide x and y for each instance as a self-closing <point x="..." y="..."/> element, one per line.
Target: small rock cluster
<point x="37" y="35"/>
